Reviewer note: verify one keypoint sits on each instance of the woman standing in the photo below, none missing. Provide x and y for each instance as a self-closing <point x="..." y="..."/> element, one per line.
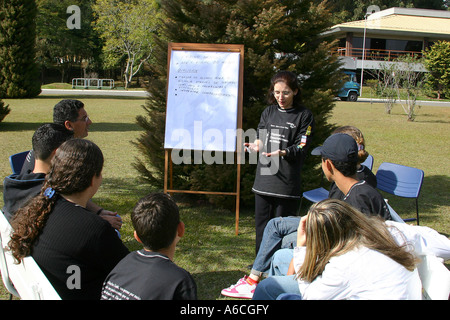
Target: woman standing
<point x="283" y="137"/>
<point x="75" y="248"/>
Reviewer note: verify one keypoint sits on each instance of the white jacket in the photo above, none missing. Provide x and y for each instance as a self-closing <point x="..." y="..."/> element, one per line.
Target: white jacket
<point x="360" y="274"/>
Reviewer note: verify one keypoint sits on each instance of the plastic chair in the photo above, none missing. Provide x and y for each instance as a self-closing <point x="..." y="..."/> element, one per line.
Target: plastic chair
<point x="3" y="265"/>
<point x="401" y="181"/>
<point x="319" y="194"/>
<point x="25" y="280"/>
<point x="16" y="161"/>
<point x="394" y="215"/>
<point x="368" y="162"/>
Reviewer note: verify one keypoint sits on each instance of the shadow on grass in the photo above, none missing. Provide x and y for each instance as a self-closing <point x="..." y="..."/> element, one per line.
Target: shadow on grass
<point x="19" y="126"/>
<point x="118" y="127"/>
<point x="91" y="96"/>
<point x="209" y="284"/>
<point x="122" y="193"/>
<point x="433" y="203"/>
<point x="96" y="127"/>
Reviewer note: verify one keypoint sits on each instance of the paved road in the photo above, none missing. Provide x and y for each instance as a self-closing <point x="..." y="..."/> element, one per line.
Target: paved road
<point x="63" y="92"/>
<point x="132" y="93"/>
<point x="419" y="102"/>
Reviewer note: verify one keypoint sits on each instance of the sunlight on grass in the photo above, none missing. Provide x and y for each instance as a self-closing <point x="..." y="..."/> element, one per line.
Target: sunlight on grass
<point x="210" y="250"/>
<point x="422" y="144"/>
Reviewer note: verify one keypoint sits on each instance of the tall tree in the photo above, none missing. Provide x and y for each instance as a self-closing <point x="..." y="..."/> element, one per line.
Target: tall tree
<point x="127" y="28"/>
<point x="19" y="74"/>
<point x="351" y="10"/>
<point x="277" y="35"/>
<point x="437" y="61"/>
<point x="60" y="47"/>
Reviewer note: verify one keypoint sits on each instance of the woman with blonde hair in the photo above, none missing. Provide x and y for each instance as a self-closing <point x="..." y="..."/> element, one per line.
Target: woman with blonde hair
<point x="344" y="254"/>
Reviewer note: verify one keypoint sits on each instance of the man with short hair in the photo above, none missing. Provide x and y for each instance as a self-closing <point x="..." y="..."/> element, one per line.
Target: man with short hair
<point x="19" y="188"/>
<point x="70" y="114"/>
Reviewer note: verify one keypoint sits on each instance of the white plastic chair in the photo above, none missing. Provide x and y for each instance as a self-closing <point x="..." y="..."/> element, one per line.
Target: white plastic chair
<point x="26" y="279"/>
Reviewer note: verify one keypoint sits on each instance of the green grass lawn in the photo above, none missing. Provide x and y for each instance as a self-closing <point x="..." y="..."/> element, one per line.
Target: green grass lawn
<point x="210" y="250"/>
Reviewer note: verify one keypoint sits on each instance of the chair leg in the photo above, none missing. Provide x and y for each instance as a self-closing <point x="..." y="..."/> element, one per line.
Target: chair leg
<point x="299" y="206"/>
<point x="417" y="210"/>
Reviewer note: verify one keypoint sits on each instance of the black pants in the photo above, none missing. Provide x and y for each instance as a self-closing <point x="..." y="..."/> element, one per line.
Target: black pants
<point x="267" y="207"/>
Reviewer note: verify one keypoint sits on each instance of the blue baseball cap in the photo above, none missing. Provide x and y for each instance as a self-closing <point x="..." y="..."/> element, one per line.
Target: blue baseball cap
<point x="338" y="147"/>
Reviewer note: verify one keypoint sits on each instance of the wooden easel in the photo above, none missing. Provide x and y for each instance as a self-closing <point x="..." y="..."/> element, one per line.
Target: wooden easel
<point x="168" y="166"/>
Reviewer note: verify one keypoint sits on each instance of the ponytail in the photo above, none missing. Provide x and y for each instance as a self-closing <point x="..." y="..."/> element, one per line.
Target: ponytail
<point x="74" y="165"/>
<point x="29" y="221"/>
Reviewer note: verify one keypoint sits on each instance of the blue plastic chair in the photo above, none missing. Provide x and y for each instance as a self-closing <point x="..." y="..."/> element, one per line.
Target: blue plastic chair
<point x="401" y="181"/>
<point x="368" y="162"/>
<point x="319" y="194"/>
<point x="16" y="161"/>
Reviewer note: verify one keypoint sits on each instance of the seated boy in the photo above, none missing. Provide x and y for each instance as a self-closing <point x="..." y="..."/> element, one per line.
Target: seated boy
<point x="150" y="273"/>
<point x="19" y="188"/>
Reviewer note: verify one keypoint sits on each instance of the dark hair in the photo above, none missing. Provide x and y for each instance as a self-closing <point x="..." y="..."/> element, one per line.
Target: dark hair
<point x="155" y="219"/>
<point x="74" y="165"/>
<point x="291" y="80"/>
<point x="49" y="137"/>
<point x="348" y="169"/>
<point x="66" y="110"/>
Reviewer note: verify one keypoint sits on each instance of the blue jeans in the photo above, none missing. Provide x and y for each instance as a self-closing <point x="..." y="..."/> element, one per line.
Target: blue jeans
<point x="280" y="262"/>
<point x="279" y="233"/>
<point x="271" y="288"/>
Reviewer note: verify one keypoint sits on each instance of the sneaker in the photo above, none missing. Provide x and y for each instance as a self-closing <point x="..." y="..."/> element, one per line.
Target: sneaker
<point x="242" y="289"/>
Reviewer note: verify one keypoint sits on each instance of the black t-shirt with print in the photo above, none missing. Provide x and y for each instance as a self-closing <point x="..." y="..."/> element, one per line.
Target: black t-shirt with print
<point x="146" y="275"/>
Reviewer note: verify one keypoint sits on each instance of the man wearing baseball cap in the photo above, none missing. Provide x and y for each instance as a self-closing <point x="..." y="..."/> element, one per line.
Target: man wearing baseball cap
<point x="339" y="158"/>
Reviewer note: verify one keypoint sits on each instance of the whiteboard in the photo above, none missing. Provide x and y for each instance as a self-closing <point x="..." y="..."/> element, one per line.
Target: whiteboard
<point x="202" y="100"/>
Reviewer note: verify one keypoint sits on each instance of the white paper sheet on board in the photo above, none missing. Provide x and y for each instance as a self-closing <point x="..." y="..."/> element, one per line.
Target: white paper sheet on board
<point x="202" y="101"/>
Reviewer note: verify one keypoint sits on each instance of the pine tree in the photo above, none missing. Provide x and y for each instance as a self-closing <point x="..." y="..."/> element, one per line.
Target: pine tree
<point x="4" y="110"/>
<point x="277" y="35"/>
<point x="19" y="74"/>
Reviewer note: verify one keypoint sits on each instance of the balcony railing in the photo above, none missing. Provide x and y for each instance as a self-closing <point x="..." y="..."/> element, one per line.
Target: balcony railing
<point x="376" y="54"/>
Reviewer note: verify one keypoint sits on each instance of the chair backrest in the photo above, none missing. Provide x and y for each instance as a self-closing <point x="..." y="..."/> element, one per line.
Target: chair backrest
<point x="28" y="280"/>
<point x="394" y="215"/>
<point x="16" y="161"/>
<point x="4" y="269"/>
<point x="435" y="278"/>
<point x="399" y="180"/>
<point x="368" y="162"/>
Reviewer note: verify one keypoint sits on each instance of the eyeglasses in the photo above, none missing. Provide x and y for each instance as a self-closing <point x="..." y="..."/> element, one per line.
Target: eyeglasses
<point x="283" y="93"/>
<point x="85" y="119"/>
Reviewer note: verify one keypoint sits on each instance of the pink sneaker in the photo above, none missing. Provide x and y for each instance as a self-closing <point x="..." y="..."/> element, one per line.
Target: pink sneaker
<point x="242" y="289"/>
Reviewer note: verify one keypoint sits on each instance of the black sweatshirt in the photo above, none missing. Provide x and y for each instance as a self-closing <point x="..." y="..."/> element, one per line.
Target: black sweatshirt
<point x="18" y="189"/>
<point x="285" y="129"/>
<point x="76" y="250"/>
